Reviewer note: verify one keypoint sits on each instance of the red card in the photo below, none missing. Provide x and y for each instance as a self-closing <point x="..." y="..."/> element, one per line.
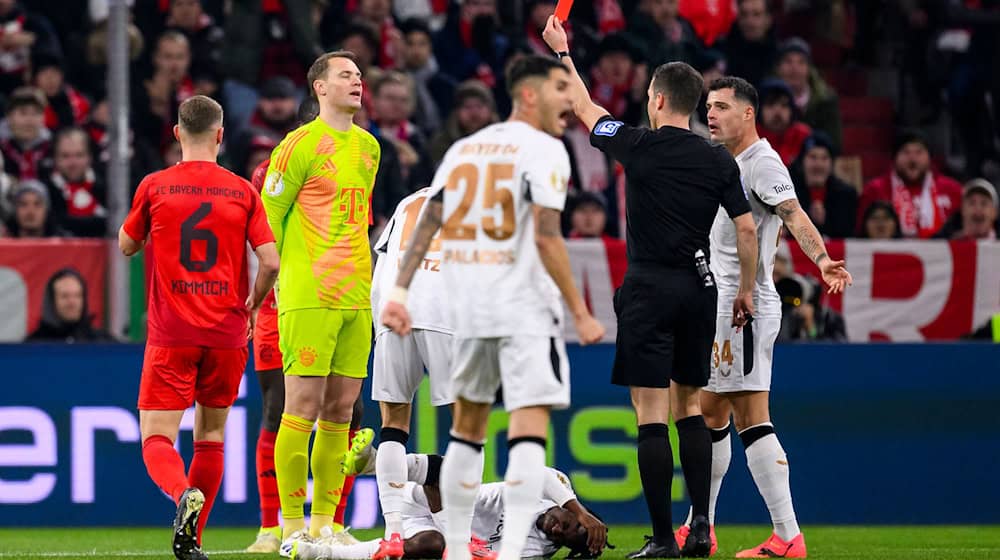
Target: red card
<point x="562" y="9"/>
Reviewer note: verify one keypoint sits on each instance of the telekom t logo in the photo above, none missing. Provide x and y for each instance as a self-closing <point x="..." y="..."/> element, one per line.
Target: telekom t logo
<point x="352" y="201"/>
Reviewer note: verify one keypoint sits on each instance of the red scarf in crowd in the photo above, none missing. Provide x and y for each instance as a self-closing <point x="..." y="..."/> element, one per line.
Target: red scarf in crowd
<point x="917" y="207"/>
<point x="79" y="195"/>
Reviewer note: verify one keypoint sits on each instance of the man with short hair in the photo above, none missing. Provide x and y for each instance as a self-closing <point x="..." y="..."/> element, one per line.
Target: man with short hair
<point x="751" y="47"/>
<point x="433" y="89"/>
<point x="317" y="196"/>
<point x="24" y="141"/>
<point x="978" y="216"/>
<point x="815" y="99"/>
<point x="741" y="354"/>
<point x="78" y="192"/>
<point x="778" y="121"/>
<point x="33" y="212"/>
<point x="197" y="218"/>
<point x="392" y="107"/>
<point x="499" y="194"/>
<point x="666" y="306"/>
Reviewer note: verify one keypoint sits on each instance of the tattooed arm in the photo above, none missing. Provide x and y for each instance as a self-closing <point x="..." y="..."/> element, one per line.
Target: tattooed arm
<point x="555" y="257"/>
<point x="394" y="315"/>
<point x="811" y="242"/>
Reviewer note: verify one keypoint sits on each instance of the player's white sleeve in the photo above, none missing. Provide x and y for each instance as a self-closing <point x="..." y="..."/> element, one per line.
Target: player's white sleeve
<point x="557" y="487"/>
<point x="771" y="182"/>
<point x="546" y="173"/>
<point x="382" y="244"/>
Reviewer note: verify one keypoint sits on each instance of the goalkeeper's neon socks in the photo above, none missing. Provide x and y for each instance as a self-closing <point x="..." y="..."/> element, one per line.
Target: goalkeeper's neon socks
<point x="329" y="448"/>
<point x="205" y="473"/>
<point x="164" y="465"/>
<point x="291" y="463"/>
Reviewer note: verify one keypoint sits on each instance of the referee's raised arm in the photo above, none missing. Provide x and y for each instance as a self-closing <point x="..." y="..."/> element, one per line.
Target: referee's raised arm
<point x="586" y="110"/>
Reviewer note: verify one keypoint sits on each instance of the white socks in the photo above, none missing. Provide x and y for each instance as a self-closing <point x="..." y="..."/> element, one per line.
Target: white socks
<point x="391" y="475"/>
<point x="769" y="467"/>
<point x="722" y="454"/>
<point x="361" y="551"/>
<point x="461" y="477"/>
<point x="523" y="487"/>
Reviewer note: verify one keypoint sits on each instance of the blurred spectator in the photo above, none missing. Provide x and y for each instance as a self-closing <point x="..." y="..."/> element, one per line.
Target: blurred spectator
<point x="815" y="99"/>
<point x="778" y="121"/>
<point x="433" y="89"/>
<point x="265" y="39"/>
<point x="618" y="78"/>
<point x="88" y="69"/>
<point x="78" y="194"/>
<point x="65" y="314"/>
<point x="978" y="217"/>
<point x="923" y="199"/>
<point x="803" y="315"/>
<point x="471" y="45"/>
<point x="589" y="220"/>
<point x="7" y="187"/>
<point x="474" y="109"/>
<point x="711" y="64"/>
<point x="361" y="40"/>
<point x="32" y="212"/>
<point x="204" y="36"/>
<point x="22" y="34"/>
<point x="538" y="14"/>
<point x="391" y="188"/>
<point x="431" y="12"/>
<point x="24" y="140"/>
<point x="276" y="116"/>
<point x="664" y="34"/>
<point x="831" y="202"/>
<point x="392" y="104"/>
<point x="710" y="20"/>
<point x="156" y="96"/>
<point x="66" y="106"/>
<point x="880" y="222"/>
<point x="751" y="47"/>
<point x="259" y="150"/>
<point x="377" y="14"/>
<point x="590" y="169"/>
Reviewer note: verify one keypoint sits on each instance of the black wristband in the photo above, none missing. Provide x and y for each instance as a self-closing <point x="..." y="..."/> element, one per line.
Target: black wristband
<point x="561" y="54"/>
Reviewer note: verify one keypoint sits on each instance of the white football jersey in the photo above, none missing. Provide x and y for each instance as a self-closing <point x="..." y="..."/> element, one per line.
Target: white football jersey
<point x="494" y="276"/>
<point x="426" y="303"/>
<point x="767" y="183"/>
<point x="487" y="517"/>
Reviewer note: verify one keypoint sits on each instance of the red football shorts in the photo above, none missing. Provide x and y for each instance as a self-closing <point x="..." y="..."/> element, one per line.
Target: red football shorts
<point x="266" y="352"/>
<point x="174" y="378"/>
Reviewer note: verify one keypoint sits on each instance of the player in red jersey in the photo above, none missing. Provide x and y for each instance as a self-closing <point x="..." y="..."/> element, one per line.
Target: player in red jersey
<point x="268" y="365"/>
<point x="197" y="219"/>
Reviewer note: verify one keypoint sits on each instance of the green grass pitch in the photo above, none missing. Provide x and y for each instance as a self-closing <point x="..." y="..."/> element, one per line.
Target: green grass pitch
<point x="877" y="543"/>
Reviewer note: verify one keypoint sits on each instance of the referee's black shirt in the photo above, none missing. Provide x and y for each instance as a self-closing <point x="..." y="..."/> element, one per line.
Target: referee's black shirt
<point x="676" y="182"/>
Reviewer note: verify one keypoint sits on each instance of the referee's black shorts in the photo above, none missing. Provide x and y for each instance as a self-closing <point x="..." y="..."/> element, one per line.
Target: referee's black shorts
<point x="666" y="327"/>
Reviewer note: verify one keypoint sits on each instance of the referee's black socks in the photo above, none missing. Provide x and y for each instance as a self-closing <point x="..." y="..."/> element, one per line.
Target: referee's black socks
<point x="695" y="440"/>
<point x="656" y="470"/>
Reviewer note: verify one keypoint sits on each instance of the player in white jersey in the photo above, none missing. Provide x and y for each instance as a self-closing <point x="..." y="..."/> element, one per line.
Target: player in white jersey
<point x="499" y="196"/>
<point x="741" y="358"/>
<point x="400" y="361"/>
<point x="554" y="519"/>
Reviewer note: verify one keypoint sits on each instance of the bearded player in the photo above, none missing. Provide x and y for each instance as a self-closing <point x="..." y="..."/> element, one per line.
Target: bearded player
<point x="197" y="218"/>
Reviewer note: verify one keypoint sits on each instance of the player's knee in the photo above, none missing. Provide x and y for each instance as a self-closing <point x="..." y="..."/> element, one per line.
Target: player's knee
<point x="426" y="544"/>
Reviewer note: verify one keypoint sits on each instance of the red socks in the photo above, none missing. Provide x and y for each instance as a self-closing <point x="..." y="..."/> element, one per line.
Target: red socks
<point x="164" y="465"/>
<point x="267" y="482"/>
<point x="205" y="474"/>
<point x="345" y="492"/>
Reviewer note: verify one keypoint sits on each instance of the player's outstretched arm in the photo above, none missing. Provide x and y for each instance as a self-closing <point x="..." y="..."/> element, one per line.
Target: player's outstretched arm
<point x="555" y="257"/>
<point x="128" y="245"/>
<point x="746" y="249"/>
<point x="835" y="274"/>
<point x="394" y="315"/>
<point x="587" y="111"/>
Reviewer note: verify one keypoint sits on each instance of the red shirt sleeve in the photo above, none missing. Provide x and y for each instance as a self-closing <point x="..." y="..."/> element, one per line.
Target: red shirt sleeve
<point x="137" y="222"/>
<point x="258" y="231"/>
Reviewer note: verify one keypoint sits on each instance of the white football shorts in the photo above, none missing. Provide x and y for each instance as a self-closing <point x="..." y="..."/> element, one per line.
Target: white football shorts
<point x="741" y="361"/>
<point x="533" y="370"/>
<point x="399" y="365"/>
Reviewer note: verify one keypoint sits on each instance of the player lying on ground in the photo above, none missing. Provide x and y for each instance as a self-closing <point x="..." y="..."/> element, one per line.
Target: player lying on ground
<point x="559" y="519"/>
<point x="268" y="365"/>
<point x="399" y="361"/>
<point x="197" y="219"/>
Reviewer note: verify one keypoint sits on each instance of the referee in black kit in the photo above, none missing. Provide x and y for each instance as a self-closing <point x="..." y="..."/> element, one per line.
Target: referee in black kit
<point x="667" y="305"/>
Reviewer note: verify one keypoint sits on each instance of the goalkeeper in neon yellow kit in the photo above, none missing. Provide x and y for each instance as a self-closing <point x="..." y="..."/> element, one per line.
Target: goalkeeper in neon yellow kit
<point x="317" y="195"/>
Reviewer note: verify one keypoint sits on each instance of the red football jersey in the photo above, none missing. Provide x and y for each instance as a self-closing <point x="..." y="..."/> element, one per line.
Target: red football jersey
<point x="270" y="305"/>
<point x="199" y="218"/>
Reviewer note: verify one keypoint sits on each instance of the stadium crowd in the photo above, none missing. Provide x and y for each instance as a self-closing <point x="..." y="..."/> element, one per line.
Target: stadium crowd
<point x="918" y="160"/>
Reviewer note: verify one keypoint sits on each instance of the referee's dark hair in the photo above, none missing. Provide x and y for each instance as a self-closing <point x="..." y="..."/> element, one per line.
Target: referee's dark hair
<point x="531" y="66"/>
<point x="199" y="114"/>
<point x="742" y="90"/>
<point x="680" y="84"/>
